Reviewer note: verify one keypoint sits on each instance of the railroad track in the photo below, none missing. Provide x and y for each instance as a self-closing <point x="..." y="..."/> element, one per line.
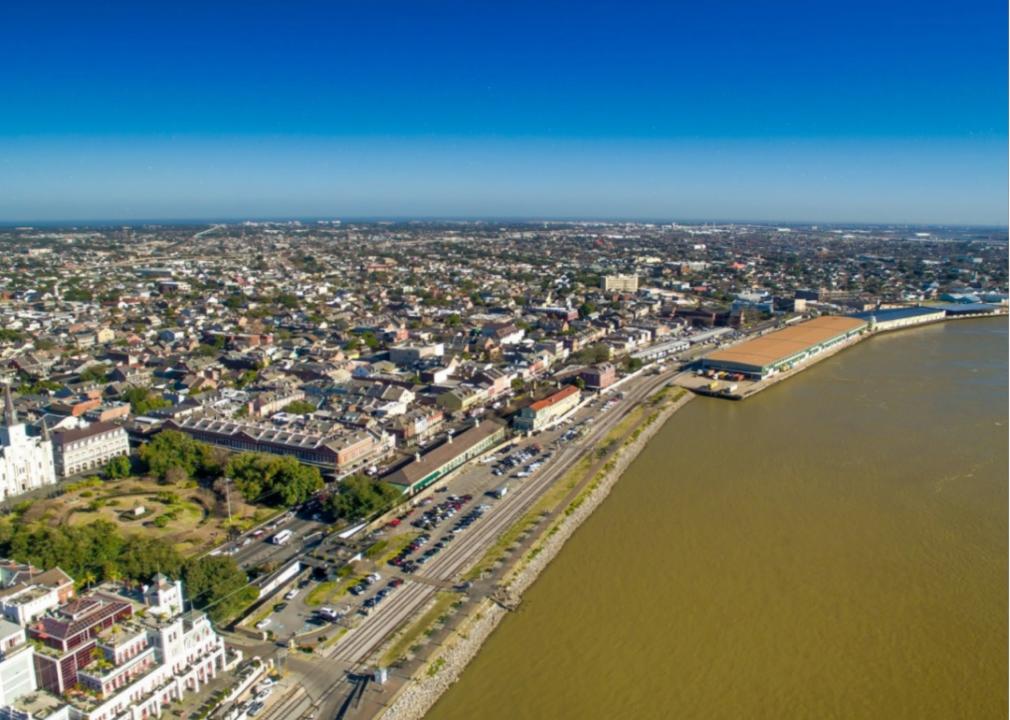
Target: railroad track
<point x="360" y="643"/>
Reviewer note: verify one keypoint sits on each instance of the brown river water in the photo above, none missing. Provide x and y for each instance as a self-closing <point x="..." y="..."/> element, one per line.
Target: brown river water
<point x="835" y="547"/>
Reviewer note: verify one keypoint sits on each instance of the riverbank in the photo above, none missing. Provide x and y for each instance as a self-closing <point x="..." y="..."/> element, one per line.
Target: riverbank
<point x="444" y="666"/>
<point x="785" y="557"/>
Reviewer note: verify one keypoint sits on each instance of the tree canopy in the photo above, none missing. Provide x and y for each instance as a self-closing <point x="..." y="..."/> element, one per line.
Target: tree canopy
<point x="173" y="449"/>
<point x="97" y="552"/>
<point x="143" y="401"/>
<point x="273" y="479"/>
<point x="218" y="585"/>
<point x="300" y="407"/>
<point x="118" y="467"/>
<point x="360" y="496"/>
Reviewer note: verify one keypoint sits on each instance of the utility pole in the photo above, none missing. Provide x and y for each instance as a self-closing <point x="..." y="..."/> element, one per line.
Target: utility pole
<point x="227" y="496"/>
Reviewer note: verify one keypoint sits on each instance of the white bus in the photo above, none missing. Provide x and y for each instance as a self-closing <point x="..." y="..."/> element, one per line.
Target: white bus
<point x="282" y="537"/>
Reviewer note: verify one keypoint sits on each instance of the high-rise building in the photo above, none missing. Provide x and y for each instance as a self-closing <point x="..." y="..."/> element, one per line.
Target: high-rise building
<point x="26" y="462"/>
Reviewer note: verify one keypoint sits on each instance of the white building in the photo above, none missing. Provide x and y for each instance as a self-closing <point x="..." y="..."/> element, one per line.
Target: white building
<point x="623" y="283"/>
<point x="88" y="448"/>
<point x="26" y="463"/>
<point x="17" y="670"/>
<point x="134" y="664"/>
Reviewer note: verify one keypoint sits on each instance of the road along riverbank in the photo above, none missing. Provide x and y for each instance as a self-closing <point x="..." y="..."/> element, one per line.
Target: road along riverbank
<point x="615" y="454"/>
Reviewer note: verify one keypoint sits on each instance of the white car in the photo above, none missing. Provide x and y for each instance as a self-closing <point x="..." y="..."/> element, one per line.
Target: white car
<point x="263" y="624"/>
<point x="291" y="594"/>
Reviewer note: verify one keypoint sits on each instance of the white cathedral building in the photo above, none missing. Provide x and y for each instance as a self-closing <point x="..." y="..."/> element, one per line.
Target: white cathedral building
<point x="26" y="462"/>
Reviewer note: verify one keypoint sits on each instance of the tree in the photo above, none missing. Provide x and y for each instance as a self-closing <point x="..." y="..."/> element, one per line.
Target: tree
<point x="118" y="467"/>
<point x="174" y="449"/>
<point x="300" y="407"/>
<point x="370" y="340"/>
<point x="272" y="479"/>
<point x="94" y="374"/>
<point x="143" y="401"/>
<point x="631" y="364"/>
<point x="217" y="585"/>
<point x="360" y="497"/>
<point x="175" y="475"/>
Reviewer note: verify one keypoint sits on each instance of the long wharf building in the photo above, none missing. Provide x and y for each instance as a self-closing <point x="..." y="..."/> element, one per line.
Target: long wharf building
<point x="784" y="349"/>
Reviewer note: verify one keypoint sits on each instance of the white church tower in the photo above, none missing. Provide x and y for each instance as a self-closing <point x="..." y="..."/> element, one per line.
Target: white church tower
<point x="26" y="463"/>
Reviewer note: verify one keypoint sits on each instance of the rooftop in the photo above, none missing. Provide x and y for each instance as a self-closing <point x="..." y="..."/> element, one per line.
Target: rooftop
<point x="782" y="344"/>
<point x="411" y="473"/>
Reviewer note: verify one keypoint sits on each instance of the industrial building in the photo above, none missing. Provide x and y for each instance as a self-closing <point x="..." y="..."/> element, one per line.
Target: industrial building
<point x="894" y="318"/>
<point x="954" y="310"/>
<point x="783" y="349"/>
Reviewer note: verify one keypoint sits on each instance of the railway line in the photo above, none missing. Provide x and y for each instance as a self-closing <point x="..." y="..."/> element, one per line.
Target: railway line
<point x="358" y="644"/>
<point x="354" y="650"/>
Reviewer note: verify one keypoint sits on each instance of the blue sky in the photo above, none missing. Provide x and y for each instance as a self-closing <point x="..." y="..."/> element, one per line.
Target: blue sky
<point x="877" y="112"/>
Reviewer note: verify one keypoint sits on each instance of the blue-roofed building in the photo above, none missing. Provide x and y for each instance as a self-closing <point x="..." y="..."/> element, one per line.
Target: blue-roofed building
<point x="971" y="309"/>
<point x="962" y="298"/>
<point x="894" y="318"/>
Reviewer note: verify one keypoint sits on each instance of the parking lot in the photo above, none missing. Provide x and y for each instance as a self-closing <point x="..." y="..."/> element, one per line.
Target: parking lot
<point x="439" y="517"/>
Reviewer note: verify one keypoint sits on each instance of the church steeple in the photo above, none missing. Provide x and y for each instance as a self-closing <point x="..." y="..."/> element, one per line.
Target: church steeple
<point x="10" y="414"/>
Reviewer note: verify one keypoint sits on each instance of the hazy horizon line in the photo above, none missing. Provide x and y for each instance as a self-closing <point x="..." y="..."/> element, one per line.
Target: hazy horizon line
<point x="517" y="219"/>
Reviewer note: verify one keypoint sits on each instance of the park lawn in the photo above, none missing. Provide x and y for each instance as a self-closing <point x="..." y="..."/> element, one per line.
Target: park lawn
<point x="187" y="515"/>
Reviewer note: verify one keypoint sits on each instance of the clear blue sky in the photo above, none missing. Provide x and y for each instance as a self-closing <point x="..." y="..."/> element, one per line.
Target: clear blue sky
<point x="855" y="111"/>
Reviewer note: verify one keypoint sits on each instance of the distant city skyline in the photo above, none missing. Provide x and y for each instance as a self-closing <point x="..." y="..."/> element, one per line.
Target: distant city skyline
<point x="862" y="113"/>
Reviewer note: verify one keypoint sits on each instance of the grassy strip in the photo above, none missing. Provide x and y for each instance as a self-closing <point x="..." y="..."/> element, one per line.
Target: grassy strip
<point x="260" y="616"/>
<point x="332" y="589"/>
<point x="412" y="634"/>
<point x="548" y="501"/>
<point x="338" y="633"/>
<point x="385" y="550"/>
